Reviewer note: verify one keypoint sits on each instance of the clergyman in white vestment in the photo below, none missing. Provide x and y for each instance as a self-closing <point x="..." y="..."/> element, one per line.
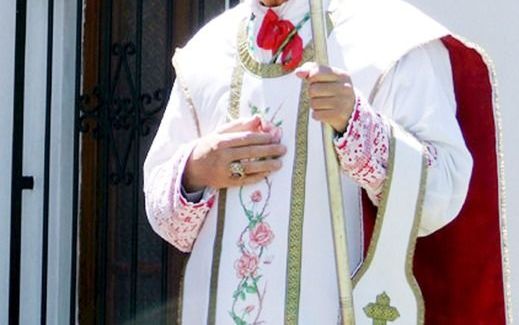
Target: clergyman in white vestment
<point x="236" y="175"/>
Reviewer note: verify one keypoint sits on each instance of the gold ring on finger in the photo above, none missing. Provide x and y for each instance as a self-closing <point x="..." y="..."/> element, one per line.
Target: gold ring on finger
<point x="237" y="170"/>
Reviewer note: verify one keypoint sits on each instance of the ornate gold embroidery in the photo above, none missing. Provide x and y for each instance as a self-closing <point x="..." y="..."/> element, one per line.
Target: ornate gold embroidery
<point x="381" y="311"/>
<point x="236" y="85"/>
<point x="297" y="206"/>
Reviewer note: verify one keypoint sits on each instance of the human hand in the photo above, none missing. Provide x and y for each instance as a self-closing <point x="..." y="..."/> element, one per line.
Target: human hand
<point x="251" y="141"/>
<point x="331" y="94"/>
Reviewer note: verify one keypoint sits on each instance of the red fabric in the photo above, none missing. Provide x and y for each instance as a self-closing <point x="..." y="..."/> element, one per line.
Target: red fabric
<point x="273" y="32"/>
<point x="459" y="268"/>
<point x="292" y="54"/>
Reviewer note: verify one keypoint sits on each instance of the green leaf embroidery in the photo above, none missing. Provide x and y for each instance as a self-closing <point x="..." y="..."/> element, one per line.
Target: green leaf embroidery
<point x="251" y="290"/>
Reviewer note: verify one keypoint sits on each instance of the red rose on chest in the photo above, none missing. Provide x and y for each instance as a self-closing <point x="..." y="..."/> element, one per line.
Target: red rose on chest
<point x="273" y="32"/>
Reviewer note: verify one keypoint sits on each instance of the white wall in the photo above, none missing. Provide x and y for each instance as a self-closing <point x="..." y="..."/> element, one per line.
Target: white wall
<point x="33" y="158"/>
<point x="7" y="27"/>
<point x="495" y="26"/>
<point x="62" y="162"/>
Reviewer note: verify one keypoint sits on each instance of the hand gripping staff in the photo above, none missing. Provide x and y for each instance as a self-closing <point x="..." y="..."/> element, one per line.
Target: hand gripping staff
<point x="333" y="179"/>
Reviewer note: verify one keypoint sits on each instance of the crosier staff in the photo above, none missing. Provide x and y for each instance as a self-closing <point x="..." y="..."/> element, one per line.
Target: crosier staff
<point x="333" y="179"/>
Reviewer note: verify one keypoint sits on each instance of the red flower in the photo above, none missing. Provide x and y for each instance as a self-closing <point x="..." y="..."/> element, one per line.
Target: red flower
<point x="246" y="266"/>
<point x="261" y="235"/>
<point x="292" y="53"/>
<point x="273" y="32"/>
<point x="256" y="197"/>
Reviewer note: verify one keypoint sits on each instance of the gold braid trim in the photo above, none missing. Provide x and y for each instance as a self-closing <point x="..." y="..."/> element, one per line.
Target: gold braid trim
<point x="297" y="211"/>
<point x="233" y="113"/>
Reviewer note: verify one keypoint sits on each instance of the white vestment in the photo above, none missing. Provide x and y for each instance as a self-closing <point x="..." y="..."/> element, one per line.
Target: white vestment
<point x="222" y="279"/>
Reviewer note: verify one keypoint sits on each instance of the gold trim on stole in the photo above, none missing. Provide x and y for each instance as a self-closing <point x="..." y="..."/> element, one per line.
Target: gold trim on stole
<point x="297" y="211"/>
<point x="233" y="113"/>
<point x="414" y="231"/>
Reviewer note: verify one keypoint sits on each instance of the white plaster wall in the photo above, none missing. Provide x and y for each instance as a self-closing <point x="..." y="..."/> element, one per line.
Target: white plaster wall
<point x="61" y="163"/>
<point x="495" y="26"/>
<point x="33" y="157"/>
<point x="7" y="28"/>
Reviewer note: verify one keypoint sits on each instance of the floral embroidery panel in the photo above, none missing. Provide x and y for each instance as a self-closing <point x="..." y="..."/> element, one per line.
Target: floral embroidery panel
<point x="254" y="241"/>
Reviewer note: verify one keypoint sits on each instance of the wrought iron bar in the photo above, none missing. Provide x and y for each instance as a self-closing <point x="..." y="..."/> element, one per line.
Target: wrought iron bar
<point x="46" y="170"/>
<point x="17" y="162"/>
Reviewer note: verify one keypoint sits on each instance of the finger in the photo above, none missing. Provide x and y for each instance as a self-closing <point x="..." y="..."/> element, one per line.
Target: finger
<point x="243" y="139"/>
<point x="328" y="89"/>
<point x="262" y="166"/>
<point x="326" y="116"/>
<point x="249" y="179"/>
<point x="304" y="70"/>
<point x="325" y="103"/>
<point x="257" y="152"/>
<point x="242" y="124"/>
<point x="321" y="73"/>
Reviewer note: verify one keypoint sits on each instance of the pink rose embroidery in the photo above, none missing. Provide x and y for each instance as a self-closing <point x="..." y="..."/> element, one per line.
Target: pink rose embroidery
<point x="261" y="235"/>
<point x="249" y="309"/>
<point x="246" y="265"/>
<point x="251" y="290"/>
<point x="256" y="197"/>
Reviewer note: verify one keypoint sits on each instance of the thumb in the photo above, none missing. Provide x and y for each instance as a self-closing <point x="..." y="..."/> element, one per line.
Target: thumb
<point x="305" y="70"/>
<point x="243" y="124"/>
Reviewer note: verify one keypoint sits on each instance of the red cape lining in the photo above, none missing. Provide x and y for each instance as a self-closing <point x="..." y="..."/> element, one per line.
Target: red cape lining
<point x="459" y="268"/>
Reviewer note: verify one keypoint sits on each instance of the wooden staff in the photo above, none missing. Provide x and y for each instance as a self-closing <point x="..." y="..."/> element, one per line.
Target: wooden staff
<point x="333" y="179"/>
